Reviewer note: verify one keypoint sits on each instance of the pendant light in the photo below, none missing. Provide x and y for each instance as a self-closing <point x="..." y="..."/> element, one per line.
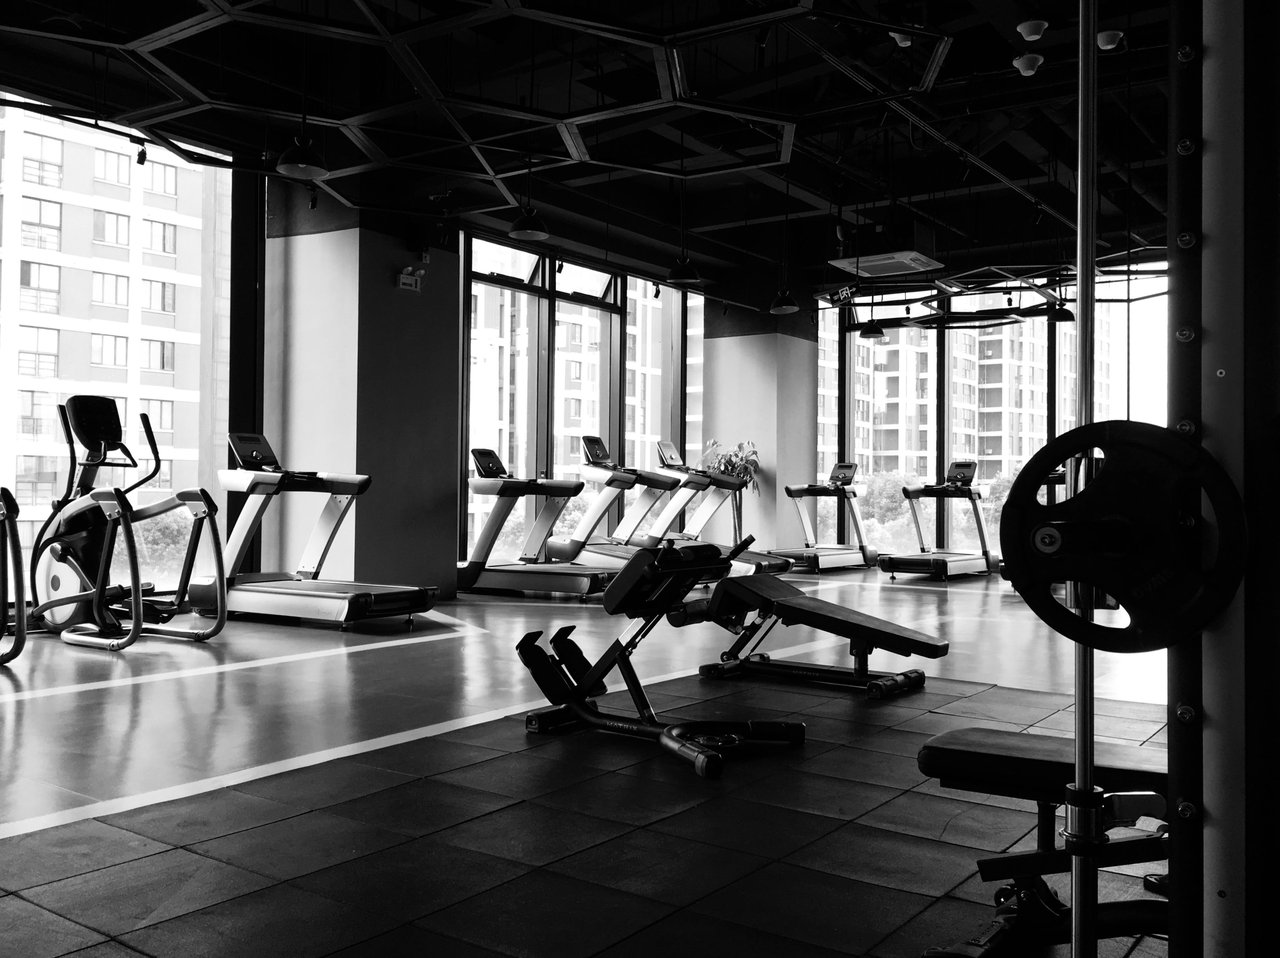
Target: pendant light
<point x="683" y="273"/>
<point x="302" y="161"/>
<point x="783" y="304"/>
<point x="528" y="225"/>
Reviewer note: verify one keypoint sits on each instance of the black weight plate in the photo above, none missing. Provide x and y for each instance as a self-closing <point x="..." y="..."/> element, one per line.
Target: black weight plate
<point x="1136" y="532"/>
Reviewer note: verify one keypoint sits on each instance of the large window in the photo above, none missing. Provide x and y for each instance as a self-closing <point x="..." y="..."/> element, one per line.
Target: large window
<point x="110" y="228"/>
<point x="111" y="167"/>
<point x="109" y="350"/>
<point x="41" y="286"/>
<point x="42" y="160"/>
<point x="613" y="366"/>
<point x="110" y="289"/>
<point x="159" y="237"/>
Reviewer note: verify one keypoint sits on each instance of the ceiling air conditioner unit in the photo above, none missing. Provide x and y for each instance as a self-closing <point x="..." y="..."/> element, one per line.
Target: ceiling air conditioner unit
<point x="887" y="264"/>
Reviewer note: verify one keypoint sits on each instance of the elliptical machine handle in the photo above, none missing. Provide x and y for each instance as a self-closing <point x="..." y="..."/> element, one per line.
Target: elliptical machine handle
<point x="155" y="454"/>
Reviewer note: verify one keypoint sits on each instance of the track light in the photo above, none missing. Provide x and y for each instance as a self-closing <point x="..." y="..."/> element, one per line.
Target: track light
<point x="142" y="155"/>
<point x="314" y="200"/>
<point x="1032" y="29"/>
<point x="656" y="290"/>
<point x="783" y="304"/>
<point x="683" y="273"/>
<point x="871" y="330"/>
<point x="901" y="39"/>
<point x="1110" y="39"/>
<point x="1028" y="63"/>
<point x="301" y="161"/>
<point x="528" y="226"/>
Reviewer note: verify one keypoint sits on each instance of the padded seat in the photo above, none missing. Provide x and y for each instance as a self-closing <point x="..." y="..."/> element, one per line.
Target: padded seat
<point x="1035" y="767"/>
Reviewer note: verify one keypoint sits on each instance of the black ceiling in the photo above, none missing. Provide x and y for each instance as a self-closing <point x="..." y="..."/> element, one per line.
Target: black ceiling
<point x="774" y="121"/>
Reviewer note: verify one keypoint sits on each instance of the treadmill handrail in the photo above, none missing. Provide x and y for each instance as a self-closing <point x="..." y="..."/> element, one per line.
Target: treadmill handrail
<point x="256" y="482"/>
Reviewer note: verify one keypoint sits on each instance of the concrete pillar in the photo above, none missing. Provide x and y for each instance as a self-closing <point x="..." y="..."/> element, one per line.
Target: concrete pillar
<point x="760" y="383"/>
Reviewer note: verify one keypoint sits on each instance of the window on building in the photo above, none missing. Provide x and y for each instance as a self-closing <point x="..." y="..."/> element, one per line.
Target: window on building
<point x="42" y="160"/>
<point x="37" y="414"/>
<point x="41" y="223"/>
<point x="37" y="352"/>
<point x="157" y="354"/>
<point x="159" y="178"/>
<point x="158" y="296"/>
<point x="111" y="228"/>
<point x="105" y="350"/>
<point x="36" y="480"/>
<point x="111" y="167"/>
<point x="160" y="412"/>
<point x="110" y="289"/>
<point x="159" y="237"/>
<point x="40" y="285"/>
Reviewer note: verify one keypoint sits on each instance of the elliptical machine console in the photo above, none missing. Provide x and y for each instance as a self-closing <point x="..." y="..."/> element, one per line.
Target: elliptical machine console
<point x="71" y="560"/>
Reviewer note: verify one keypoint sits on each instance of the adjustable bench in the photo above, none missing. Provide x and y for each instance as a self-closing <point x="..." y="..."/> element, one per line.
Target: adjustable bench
<point x="1038" y="768"/>
<point x="774" y="601"/>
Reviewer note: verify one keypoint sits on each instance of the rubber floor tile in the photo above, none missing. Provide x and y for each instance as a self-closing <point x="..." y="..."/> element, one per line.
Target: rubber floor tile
<point x="662" y="867"/>
<point x="280" y="922"/>
<point x="427" y="756"/>
<point x="890" y="859"/>
<point x="31" y="932"/>
<point x="689" y="935"/>
<point x="325" y="784"/>
<point x="819" y="909"/>
<point x="410" y="941"/>
<point x="505" y="735"/>
<point x="134" y="894"/>
<point x="864" y="765"/>
<point x="532" y="834"/>
<point x="298" y="845"/>
<point x="201" y="817"/>
<point x="108" y="949"/>
<point x="952" y="820"/>
<point x="624" y="798"/>
<point x="883" y="713"/>
<point x="593" y="750"/>
<point x="544" y="915"/>
<point x="520" y="775"/>
<point x="752" y="827"/>
<point x="38" y="858"/>
<point x="947" y="921"/>
<point x="421" y="806"/>
<point x="411" y="880"/>
<point x="817" y="794"/>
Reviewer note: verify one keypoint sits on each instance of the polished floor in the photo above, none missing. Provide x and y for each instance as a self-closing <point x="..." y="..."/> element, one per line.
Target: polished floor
<point x="297" y="790"/>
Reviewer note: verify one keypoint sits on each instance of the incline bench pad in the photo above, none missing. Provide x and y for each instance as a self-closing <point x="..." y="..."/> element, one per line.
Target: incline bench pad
<point x="772" y="596"/>
<point x="1035" y="767"/>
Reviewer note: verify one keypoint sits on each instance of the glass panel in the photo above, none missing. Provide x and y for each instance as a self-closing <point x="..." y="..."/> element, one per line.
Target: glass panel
<point x="893" y="390"/>
<point x="827" y="518"/>
<point x="490" y="259"/>
<point x="693" y="337"/>
<point x="502" y="399"/>
<point x="571" y="278"/>
<point x="47" y="354"/>
<point x="579" y="399"/>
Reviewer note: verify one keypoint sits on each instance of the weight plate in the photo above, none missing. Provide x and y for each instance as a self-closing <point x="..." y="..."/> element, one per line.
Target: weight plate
<point x="1159" y="527"/>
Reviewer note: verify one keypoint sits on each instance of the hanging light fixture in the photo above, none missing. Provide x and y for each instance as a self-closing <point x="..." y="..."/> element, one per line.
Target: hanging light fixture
<point x="528" y="225"/>
<point x="302" y="161"/>
<point x="783" y="304"/>
<point x="683" y="273"/>
<point x="1028" y="63"/>
<point x="871" y="330"/>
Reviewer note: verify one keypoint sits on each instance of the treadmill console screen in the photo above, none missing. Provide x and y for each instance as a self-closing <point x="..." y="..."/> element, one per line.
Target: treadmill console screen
<point x="843" y="473"/>
<point x="252" y="451"/>
<point x="668" y="455"/>
<point x="595" y="451"/>
<point x="488" y="465"/>
<point x="961" y="473"/>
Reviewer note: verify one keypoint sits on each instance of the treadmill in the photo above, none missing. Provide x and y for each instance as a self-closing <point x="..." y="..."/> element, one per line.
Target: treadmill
<point x="536" y="570"/>
<point x="958" y="484"/>
<point x="719" y="488"/>
<point x="612" y="551"/>
<point x="815" y="556"/>
<point x="302" y="594"/>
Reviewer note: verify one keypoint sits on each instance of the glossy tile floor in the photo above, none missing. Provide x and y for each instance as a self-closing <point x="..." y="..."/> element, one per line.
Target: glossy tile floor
<point x="296" y="790"/>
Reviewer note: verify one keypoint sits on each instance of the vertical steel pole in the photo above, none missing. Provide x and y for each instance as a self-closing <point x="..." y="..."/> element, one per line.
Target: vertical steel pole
<point x="1084" y="875"/>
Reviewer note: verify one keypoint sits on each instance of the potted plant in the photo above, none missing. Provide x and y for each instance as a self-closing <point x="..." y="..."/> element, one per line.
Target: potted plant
<point x="742" y="462"/>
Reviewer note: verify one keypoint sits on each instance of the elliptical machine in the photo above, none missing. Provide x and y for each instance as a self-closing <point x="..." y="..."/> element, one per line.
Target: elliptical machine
<point x="11" y="556"/>
<point x="71" y="558"/>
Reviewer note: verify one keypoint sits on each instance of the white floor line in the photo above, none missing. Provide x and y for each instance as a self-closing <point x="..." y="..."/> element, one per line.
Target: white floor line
<point x="231" y="666"/>
<point x="128" y="803"/>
